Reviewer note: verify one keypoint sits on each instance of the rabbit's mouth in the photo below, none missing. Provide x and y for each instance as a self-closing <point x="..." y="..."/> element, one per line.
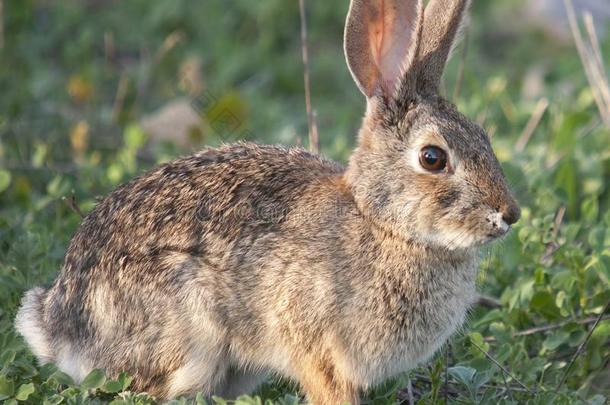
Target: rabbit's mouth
<point x="469" y="234"/>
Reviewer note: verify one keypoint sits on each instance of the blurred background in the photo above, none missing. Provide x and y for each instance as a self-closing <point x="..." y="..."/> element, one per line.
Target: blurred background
<point x="93" y="92"/>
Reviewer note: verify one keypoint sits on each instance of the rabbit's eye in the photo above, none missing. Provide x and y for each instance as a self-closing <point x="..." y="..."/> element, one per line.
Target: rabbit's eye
<point x="433" y="158"/>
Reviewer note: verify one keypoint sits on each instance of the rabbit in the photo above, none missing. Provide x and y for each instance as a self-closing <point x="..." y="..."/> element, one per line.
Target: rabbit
<point x="212" y="272"/>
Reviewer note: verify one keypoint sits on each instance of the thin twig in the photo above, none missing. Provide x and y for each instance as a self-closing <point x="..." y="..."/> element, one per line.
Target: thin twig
<point x="461" y="68"/>
<point x="426" y="380"/>
<point x="488" y="302"/>
<point x="532" y="124"/>
<point x="581" y="347"/>
<point x="73" y="205"/>
<point x="550" y="327"/>
<point x="508" y="390"/>
<point x="311" y="120"/>
<point x="504" y="370"/>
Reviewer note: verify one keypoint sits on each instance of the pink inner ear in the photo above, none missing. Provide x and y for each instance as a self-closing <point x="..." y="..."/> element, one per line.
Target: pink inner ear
<point x="391" y="28"/>
<point x="381" y="37"/>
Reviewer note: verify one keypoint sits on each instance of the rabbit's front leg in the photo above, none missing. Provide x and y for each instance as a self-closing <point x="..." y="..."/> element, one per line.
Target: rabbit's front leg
<point x="325" y="384"/>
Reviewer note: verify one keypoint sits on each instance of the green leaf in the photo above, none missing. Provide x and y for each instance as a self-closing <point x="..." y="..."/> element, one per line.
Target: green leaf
<point x="219" y="400"/>
<point x="555" y="340"/>
<point x="62" y="378"/>
<point x="53" y="400"/>
<point x="462" y="374"/>
<point x="200" y="400"/>
<point x="134" y="137"/>
<point x="24" y="391"/>
<point x="47" y="370"/>
<point x="94" y="380"/>
<point x="112" y="387"/>
<point x="544" y="303"/>
<point x="7" y="387"/>
<point x="597" y="400"/>
<point x="5" y="180"/>
<point x="590" y="209"/>
<point x="125" y="380"/>
<point x="7" y="357"/>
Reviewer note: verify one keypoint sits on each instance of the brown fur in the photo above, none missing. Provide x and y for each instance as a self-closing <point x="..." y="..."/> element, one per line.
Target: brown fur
<point x="209" y="272"/>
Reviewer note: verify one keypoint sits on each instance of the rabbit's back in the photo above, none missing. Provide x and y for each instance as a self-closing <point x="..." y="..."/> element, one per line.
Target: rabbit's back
<point x="177" y="248"/>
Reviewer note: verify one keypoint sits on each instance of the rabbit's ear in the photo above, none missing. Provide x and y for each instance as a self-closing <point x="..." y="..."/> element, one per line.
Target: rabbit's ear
<point x="442" y="22"/>
<point x="381" y="40"/>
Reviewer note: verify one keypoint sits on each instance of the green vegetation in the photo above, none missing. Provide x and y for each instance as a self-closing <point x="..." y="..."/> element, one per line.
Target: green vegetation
<point x="78" y="76"/>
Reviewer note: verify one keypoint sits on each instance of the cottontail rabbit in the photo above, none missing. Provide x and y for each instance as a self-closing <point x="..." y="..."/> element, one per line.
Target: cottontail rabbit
<point x="212" y="271"/>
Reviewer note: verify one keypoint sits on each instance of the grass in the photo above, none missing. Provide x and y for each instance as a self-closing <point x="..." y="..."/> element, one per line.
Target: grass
<point x="78" y="78"/>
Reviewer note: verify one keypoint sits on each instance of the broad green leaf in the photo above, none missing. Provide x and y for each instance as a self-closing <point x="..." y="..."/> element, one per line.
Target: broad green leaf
<point x="53" y="400"/>
<point x="463" y="374"/>
<point x="24" y="391"/>
<point x="112" y="387"/>
<point x="544" y="303"/>
<point x="125" y="380"/>
<point x="556" y="339"/>
<point x="8" y="356"/>
<point x="62" y="378"/>
<point x="7" y="387"/>
<point x="95" y="379"/>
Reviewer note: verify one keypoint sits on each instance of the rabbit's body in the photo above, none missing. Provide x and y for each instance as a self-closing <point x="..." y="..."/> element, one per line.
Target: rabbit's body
<point x="269" y="264"/>
<point x="212" y="271"/>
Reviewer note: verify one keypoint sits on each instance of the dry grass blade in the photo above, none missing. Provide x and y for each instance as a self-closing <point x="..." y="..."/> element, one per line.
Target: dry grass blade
<point x="598" y="59"/>
<point x="1" y="24"/>
<point x="532" y="124"/>
<point x="581" y="347"/>
<point x="73" y="205"/>
<point x="311" y="115"/>
<point x="169" y="43"/>
<point x="119" y="99"/>
<point x="462" y="68"/>
<point x="591" y="60"/>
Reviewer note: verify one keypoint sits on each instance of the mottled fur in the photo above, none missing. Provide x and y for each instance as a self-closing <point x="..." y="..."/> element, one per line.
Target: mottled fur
<point x="211" y="271"/>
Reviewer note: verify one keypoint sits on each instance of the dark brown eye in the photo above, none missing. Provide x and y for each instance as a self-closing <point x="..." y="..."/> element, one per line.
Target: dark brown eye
<point x="433" y="158"/>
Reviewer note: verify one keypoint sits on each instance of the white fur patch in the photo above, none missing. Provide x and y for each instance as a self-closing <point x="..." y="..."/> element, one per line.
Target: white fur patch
<point x="200" y="373"/>
<point x="73" y="363"/>
<point x="30" y="325"/>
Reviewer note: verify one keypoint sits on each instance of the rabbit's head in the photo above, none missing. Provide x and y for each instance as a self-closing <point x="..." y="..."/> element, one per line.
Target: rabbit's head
<point x="421" y="169"/>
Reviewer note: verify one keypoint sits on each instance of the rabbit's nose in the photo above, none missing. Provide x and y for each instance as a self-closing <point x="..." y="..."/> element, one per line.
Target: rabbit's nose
<point x="511" y="213"/>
